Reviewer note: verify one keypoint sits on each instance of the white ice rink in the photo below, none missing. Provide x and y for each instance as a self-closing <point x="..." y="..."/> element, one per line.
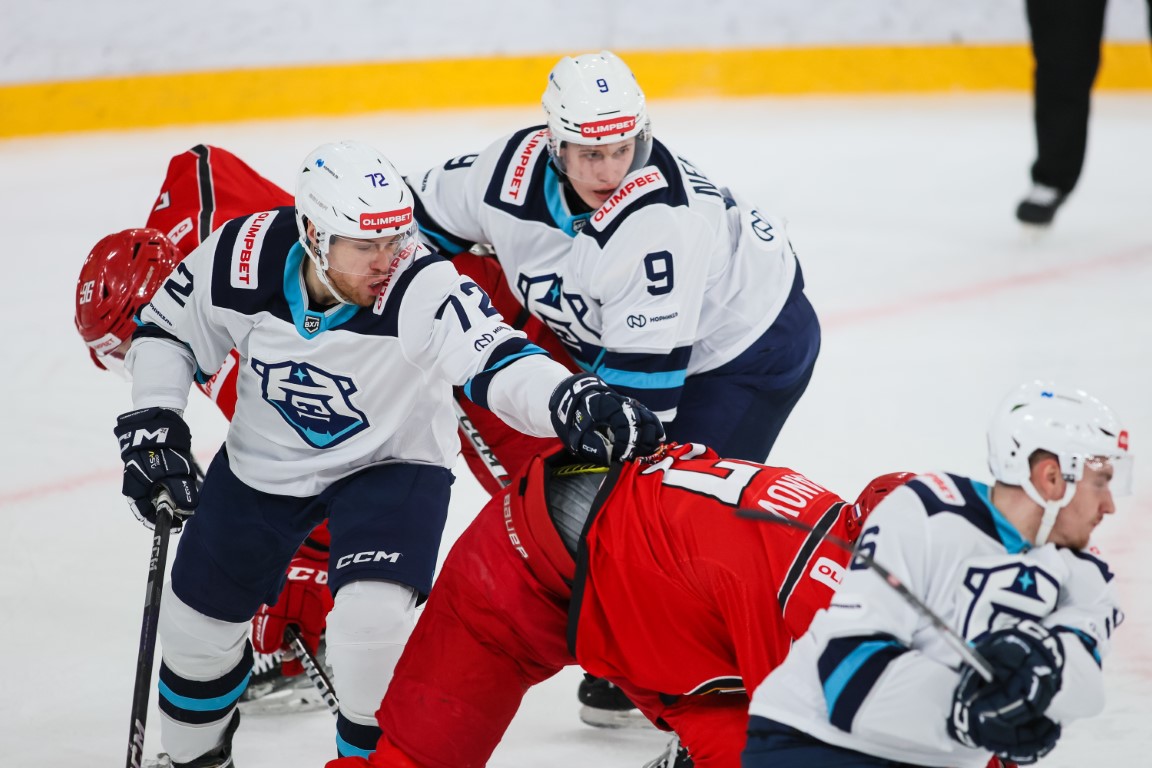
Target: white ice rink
<point x="933" y="299"/>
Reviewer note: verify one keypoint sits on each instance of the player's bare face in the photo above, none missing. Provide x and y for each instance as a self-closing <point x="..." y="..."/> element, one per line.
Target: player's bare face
<point x="1091" y="502"/>
<point x="595" y="171"/>
<point x="359" y="269"/>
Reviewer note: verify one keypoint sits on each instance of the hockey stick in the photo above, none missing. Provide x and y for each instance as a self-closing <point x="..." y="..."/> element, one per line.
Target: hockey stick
<point x="165" y="511"/>
<point x="314" y="671"/>
<point x="969" y="654"/>
<point x="486" y="454"/>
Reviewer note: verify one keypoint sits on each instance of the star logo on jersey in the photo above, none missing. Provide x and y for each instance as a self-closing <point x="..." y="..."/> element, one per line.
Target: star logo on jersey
<point x="315" y="403"/>
<point x="551" y="296"/>
<point x="1005" y="593"/>
<point x="1025" y="584"/>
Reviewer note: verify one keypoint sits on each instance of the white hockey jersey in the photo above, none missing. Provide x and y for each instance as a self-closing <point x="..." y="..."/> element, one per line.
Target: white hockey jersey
<point x="321" y="395"/>
<point x="873" y="676"/>
<point x="672" y="276"/>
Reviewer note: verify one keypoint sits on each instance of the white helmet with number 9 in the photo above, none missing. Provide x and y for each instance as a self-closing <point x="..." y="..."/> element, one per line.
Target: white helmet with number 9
<point x="1069" y="423"/>
<point x="349" y="189"/>
<point x="594" y="99"/>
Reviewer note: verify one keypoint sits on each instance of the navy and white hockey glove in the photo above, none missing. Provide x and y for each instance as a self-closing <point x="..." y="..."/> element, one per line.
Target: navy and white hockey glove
<point x="156" y="446"/>
<point x="600" y="424"/>
<point x="1006" y="716"/>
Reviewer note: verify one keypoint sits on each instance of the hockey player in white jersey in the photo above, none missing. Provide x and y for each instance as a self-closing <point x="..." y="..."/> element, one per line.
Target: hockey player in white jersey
<point x="350" y="336"/>
<point x="1008" y="567"/>
<point x="666" y="284"/>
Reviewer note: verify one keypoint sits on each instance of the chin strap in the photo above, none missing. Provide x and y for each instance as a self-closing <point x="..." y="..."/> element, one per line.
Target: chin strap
<point x="320" y="265"/>
<point x="1051" y="508"/>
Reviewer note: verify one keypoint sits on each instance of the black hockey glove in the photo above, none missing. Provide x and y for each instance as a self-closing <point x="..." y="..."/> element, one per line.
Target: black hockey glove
<point x="1006" y="716"/>
<point x="601" y="425"/>
<point x="155" y="445"/>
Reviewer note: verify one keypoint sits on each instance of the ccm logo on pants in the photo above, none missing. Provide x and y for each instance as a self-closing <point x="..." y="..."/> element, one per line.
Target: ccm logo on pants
<point x="368" y="557"/>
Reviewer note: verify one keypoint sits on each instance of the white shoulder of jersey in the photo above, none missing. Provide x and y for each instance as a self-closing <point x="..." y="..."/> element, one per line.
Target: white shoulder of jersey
<point x="191" y="339"/>
<point x="452" y="195"/>
<point x="447" y="324"/>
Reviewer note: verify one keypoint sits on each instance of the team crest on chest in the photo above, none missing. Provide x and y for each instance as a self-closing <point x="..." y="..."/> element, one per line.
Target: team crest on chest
<point x="315" y="403"/>
<point x="1006" y="593"/>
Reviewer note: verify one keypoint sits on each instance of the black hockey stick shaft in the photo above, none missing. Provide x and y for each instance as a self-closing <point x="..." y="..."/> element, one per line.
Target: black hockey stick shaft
<point x="969" y="654"/>
<point x="313" y="669"/>
<point x="486" y="454"/>
<point x="165" y="511"/>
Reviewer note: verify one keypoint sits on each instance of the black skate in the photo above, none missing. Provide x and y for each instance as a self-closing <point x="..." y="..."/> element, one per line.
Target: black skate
<point x="606" y="706"/>
<point x="1039" y="207"/>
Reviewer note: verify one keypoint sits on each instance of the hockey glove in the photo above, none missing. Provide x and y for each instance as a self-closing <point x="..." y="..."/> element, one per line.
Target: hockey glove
<point x="155" y="445"/>
<point x="1006" y="716"/>
<point x="601" y="425"/>
<point x="303" y="603"/>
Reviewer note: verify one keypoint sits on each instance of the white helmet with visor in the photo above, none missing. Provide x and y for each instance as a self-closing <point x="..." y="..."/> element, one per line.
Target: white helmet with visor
<point x="594" y="99"/>
<point x="350" y="190"/>
<point x="1077" y="428"/>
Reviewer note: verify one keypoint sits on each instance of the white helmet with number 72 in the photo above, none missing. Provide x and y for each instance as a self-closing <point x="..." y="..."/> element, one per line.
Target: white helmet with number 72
<point x="348" y="189"/>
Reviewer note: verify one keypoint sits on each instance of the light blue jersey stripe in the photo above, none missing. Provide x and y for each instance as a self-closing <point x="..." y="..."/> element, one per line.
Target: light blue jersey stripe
<point x="637" y="380"/>
<point x="530" y="349"/>
<point x="1009" y="536"/>
<point x="552" y="192"/>
<point x="298" y="304"/>
<point x="848" y="668"/>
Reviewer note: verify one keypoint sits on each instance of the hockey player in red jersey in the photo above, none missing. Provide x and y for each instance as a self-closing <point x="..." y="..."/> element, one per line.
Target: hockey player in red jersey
<point x="203" y="188"/>
<point x="644" y="576"/>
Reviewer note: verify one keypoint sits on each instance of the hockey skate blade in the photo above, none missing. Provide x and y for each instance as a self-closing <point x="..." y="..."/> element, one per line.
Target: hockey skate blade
<point x="161" y="760"/>
<point x="614" y="718"/>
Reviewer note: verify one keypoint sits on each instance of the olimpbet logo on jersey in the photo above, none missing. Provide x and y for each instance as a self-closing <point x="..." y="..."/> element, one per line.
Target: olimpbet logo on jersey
<point x="315" y="403"/>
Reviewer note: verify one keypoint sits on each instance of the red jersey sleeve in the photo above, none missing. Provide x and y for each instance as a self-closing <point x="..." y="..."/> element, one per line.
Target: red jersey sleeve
<point x="205" y="187"/>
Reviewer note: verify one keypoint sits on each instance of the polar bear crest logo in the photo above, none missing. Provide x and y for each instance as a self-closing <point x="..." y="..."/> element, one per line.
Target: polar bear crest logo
<point x="317" y="404"/>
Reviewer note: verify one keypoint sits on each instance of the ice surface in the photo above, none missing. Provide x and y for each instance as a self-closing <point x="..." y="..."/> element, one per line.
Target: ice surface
<point x="934" y="303"/>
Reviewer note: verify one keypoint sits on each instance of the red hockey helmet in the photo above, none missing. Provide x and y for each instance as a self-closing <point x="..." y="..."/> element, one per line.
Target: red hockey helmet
<point x="118" y="277"/>
<point x="875" y="492"/>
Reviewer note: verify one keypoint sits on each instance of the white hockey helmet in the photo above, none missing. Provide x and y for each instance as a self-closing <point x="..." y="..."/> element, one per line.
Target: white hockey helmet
<point x="1069" y="423"/>
<point x="594" y="99"/>
<point x="348" y="189"/>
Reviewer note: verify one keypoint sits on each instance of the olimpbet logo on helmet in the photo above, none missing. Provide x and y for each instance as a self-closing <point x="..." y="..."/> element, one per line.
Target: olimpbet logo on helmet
<point x="598" y="125"/>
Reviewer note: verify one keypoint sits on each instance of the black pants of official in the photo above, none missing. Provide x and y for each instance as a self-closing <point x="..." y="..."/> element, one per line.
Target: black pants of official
<point x="1066" y="37"/>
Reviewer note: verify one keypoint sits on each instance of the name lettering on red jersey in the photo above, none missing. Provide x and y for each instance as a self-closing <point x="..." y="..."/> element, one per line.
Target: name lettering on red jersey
<point x="635" y="185"/>
<point x="520" y="169"/>
<point x="789" y="495"/>
<point x="246" y="251"/>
